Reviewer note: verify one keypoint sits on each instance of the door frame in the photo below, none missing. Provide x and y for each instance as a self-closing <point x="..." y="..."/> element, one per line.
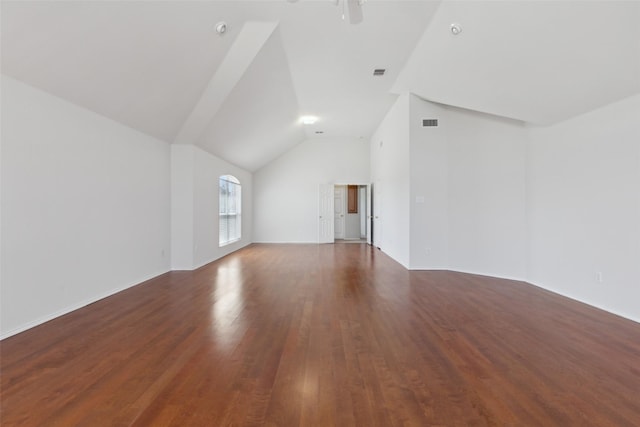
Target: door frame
<point x="325" y="213"/>
<point x="370" y="210"/>
<point x="342" y="189"/>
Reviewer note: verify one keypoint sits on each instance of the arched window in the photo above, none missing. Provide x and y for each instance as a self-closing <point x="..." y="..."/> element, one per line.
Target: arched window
<point x="230" y="210"/>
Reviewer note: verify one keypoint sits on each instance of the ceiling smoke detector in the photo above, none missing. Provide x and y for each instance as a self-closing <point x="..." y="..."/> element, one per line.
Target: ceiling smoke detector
<point x="221" y="27"/>
<point x="455" y="29"/>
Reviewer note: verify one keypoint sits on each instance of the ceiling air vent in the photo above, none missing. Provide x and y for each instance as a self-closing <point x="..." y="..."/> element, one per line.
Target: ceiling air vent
<point x="429" y="122"/>
<point x="379" y="72"/>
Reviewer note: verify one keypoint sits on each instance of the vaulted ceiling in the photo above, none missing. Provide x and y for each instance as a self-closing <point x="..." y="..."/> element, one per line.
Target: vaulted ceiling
<point x="160" y="66"/>
<point x="536" y="61"/>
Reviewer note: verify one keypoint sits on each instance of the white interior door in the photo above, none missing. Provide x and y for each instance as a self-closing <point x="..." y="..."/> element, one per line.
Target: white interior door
<point x="339" y="211"/>
<point x="325" y="213"/>
<point x="377" y="216"/>
<point x="369" y="214"/>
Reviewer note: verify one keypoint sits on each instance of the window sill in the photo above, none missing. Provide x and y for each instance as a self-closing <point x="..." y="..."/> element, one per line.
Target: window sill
<point x="220" y="245"/>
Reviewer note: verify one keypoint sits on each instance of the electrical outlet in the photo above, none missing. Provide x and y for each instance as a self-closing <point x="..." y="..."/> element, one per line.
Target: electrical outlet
<point x="599" y="276"/>
<point x="428" y="251"/>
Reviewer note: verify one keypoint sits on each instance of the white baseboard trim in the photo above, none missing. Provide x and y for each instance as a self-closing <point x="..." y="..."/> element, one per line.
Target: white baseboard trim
<point x="598" y="306"/>
<point x="477" y="273"/>
<point x="537" y="285"/>
<point x="69" y="309"/>
<point x="555" y="291"/>
<point x="430" y="268"/>
<point x="288" y="242"/>
<point x="73" y="307"/>
<point x="215" y="258"/>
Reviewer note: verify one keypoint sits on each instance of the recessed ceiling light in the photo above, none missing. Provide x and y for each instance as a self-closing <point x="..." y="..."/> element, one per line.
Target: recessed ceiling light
<point x="308" y="120"/>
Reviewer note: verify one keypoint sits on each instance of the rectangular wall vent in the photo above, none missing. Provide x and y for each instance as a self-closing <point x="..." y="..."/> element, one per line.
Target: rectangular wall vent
<point x="379" y="72"/>
<point x="429" y="122"/>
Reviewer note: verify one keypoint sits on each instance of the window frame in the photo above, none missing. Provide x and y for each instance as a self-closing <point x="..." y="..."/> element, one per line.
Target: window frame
<point x="229" y="206"/>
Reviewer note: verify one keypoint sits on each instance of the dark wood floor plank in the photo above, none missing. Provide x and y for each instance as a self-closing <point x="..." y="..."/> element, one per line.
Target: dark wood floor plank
<point x="323" y="335"/>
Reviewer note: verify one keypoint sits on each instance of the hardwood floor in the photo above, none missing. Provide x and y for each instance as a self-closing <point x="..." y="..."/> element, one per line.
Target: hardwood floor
<point x="308" y="335"/>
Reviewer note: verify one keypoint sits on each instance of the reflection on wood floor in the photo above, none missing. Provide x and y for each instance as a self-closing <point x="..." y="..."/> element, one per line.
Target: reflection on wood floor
<point x="350" y="241"/>
<point x="325" y="335"/>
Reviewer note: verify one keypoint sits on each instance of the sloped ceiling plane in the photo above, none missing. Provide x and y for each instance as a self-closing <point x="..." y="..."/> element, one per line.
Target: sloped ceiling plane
<point x="161" y="67"/>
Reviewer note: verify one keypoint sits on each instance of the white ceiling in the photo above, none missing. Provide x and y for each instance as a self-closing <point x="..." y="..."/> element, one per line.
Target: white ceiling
<point x="147" y="64"/>
<point x="140" y="63"/>
<point x="536" y="61"/>
<point x="160" y="67"/>
<point x="260" y="116"/>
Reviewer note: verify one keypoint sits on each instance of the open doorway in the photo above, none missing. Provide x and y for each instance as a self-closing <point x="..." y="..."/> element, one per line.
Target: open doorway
<point x="337" y="214"/>
<point x="350" y="213"/>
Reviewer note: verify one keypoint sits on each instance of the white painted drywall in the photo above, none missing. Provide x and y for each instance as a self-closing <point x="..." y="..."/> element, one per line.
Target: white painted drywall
<point x="85" y="207"/>
<point x="486" y="194"/>
<point x="390" y="152"/>
<point x="182" y="204"/>
<point x="583" y="194"/>
<point x="285" y="202"/>
<point x="429" y="181"/>
<point x="256" y="119"/>
<point x="207" y="170"/>
<point x="465" y="209"/>
<point x="194" y="207"/>
<point x="556" y="206"/>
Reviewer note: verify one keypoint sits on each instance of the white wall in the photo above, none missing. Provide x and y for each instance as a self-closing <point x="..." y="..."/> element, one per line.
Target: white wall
<point x="390" y="165"/>
<point x="584" y="207"/>
<point x="465" y="209"/>
<point x="429" y="187"/>
<point x="182" y="205"/>
<point x="194" y="206"/>
<point x="86" y="201"/>
<point x="286" y="190"/>
<point x="486" y="194"/>
<point x="556" y="206"/>
<point x="85" y="207"/>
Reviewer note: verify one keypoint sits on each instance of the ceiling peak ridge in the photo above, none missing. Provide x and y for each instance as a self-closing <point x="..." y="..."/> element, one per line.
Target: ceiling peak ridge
<point x="252" y="37"/>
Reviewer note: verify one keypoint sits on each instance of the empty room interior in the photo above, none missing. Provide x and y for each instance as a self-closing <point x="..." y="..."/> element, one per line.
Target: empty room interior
<point x="320" y="213"/>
